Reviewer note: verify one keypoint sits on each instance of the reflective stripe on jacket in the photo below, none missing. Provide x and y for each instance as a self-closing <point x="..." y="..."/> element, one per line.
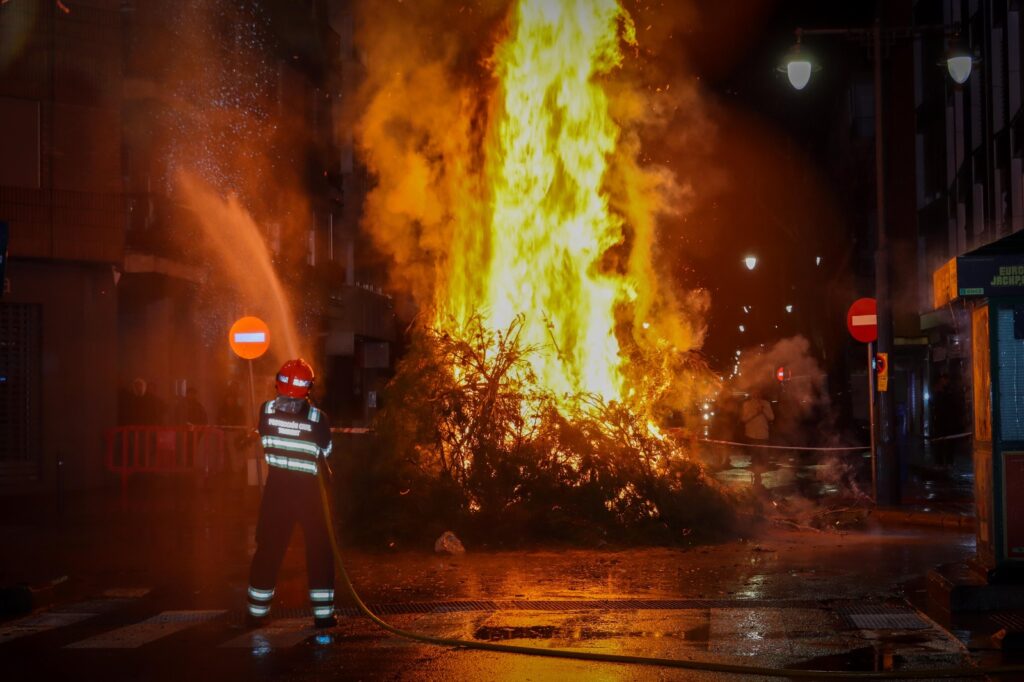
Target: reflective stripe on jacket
<point x="294" y="441"/>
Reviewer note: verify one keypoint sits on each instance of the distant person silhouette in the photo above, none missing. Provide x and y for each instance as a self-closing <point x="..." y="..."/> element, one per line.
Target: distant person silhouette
<point x="946" y="420"/>
<point x="757" y="416"/>
<point x="142" y="408"/>
<point x="190" y="410"/>
<point x="230" y="411"/>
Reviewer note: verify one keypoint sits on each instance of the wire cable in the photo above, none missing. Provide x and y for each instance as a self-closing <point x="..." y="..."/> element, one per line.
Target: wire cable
<point x="708" y="666"/>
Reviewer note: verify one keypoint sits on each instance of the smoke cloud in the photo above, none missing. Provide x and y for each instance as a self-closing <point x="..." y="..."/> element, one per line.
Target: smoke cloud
<point x="802" y="395"/>
<point x="419" y="119"/>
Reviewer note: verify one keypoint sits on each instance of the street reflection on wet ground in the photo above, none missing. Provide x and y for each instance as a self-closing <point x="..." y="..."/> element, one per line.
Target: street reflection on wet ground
<point x="827" y="476"/>
<point x="775" y="598"/>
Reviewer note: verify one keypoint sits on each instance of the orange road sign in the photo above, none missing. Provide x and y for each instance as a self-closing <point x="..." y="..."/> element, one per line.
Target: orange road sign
<point x="249" y="337"/>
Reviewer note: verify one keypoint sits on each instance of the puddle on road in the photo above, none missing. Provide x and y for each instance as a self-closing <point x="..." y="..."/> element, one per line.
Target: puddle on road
<point x="698" y="634"/>
<point x="493" y="633"/>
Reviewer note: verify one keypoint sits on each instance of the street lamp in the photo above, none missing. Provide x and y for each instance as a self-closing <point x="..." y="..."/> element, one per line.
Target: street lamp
<point x="798" y="65"/>
<point x="960" y="68"/>
<point x="958" y="64"/>
<point x="799" y="73"/>
<point x="750" y="262"/>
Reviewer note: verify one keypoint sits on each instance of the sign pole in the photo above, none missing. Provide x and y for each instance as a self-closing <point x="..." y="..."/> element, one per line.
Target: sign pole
<point x="862" y="322"/>
<point x="252" y="412"/>
<point x="249" y="338"/>
<point x="871" y="418"/>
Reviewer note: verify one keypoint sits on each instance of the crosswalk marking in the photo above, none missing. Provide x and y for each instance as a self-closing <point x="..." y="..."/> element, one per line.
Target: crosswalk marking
<point x="149" y="630"/>
<point x="40" y="623"/>
<point x="278" y="634"/>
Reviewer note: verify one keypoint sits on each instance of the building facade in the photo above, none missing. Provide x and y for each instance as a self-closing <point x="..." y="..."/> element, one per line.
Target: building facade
<point x="106" y="281"/>
<point x="61" y="194"/>
<point x="969" y="159"/>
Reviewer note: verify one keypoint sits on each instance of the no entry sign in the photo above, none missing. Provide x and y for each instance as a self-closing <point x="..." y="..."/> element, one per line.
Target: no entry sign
<point x="862" y="320"/>
<point x="249" y="337"/>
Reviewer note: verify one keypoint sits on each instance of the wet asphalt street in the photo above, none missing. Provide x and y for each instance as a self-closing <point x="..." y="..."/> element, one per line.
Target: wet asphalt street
<point x="151" y="598"/>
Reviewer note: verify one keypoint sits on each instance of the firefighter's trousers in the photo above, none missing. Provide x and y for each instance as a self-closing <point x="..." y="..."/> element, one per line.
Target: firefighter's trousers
<point x="290" y="497"/>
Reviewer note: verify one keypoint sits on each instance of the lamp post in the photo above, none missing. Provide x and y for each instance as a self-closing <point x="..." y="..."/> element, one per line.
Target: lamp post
<point x="798" y="69"/>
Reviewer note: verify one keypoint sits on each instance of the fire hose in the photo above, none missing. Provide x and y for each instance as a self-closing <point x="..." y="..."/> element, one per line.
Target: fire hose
<point x="707" y="666"/>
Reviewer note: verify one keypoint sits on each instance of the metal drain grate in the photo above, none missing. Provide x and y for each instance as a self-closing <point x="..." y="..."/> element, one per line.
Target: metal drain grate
<point x="889" y="621"/>
<point x="881" y="618"/>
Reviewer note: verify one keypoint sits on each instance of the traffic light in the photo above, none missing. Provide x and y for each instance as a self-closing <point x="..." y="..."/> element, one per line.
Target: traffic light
<point x="882" y="371"/>
<point x="781" y="374"/>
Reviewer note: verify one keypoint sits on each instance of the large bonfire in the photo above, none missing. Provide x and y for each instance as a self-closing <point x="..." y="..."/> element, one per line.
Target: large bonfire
<point x="550" y="346"/>
<point x="547" y="223"/>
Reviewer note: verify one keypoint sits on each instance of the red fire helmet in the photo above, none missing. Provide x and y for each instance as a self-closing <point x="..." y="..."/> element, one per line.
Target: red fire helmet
<point x="295" y="378"/>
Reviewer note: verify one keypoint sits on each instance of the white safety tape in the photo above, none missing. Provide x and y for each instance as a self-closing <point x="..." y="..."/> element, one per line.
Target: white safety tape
<point x="335" y="430"/>
<point x="784" y="447"/>
<point x="699" y="440"/>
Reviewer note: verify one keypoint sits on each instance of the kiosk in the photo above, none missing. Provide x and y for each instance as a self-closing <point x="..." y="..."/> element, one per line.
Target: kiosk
<point x="990" y="282"/>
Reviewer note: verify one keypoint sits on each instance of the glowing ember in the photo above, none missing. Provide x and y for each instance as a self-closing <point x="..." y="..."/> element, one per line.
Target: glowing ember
<point x="549" y="222"/>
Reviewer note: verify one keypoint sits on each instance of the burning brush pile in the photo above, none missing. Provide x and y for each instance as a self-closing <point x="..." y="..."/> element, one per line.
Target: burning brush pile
<point x="513" y="200"/>
<point x="488" y="451"/>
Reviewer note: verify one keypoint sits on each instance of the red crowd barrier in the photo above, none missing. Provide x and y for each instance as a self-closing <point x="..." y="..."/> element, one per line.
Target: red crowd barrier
<point x="164" y="450"/>
<point x="180" y="449"/>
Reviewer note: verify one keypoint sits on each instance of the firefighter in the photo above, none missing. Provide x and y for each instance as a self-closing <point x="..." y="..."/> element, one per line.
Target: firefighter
<point x="296" y="440"/>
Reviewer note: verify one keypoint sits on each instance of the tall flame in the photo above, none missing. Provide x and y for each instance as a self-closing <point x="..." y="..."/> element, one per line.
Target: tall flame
<point x="526" y="196"/>
<point x="548" y="224"/>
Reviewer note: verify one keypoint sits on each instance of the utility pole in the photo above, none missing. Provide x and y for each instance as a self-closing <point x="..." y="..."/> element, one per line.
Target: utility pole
<point x="887" y="455"/>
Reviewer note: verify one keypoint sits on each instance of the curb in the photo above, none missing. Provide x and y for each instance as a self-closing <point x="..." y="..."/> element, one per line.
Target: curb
<point x="903" y="517"/>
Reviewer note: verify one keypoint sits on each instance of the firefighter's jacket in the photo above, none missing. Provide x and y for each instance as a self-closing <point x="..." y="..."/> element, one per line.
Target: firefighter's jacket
<point x="294" y="441"/>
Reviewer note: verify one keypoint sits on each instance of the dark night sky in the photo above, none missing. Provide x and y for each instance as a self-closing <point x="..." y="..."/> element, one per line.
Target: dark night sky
<point x="789" y="196"/>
